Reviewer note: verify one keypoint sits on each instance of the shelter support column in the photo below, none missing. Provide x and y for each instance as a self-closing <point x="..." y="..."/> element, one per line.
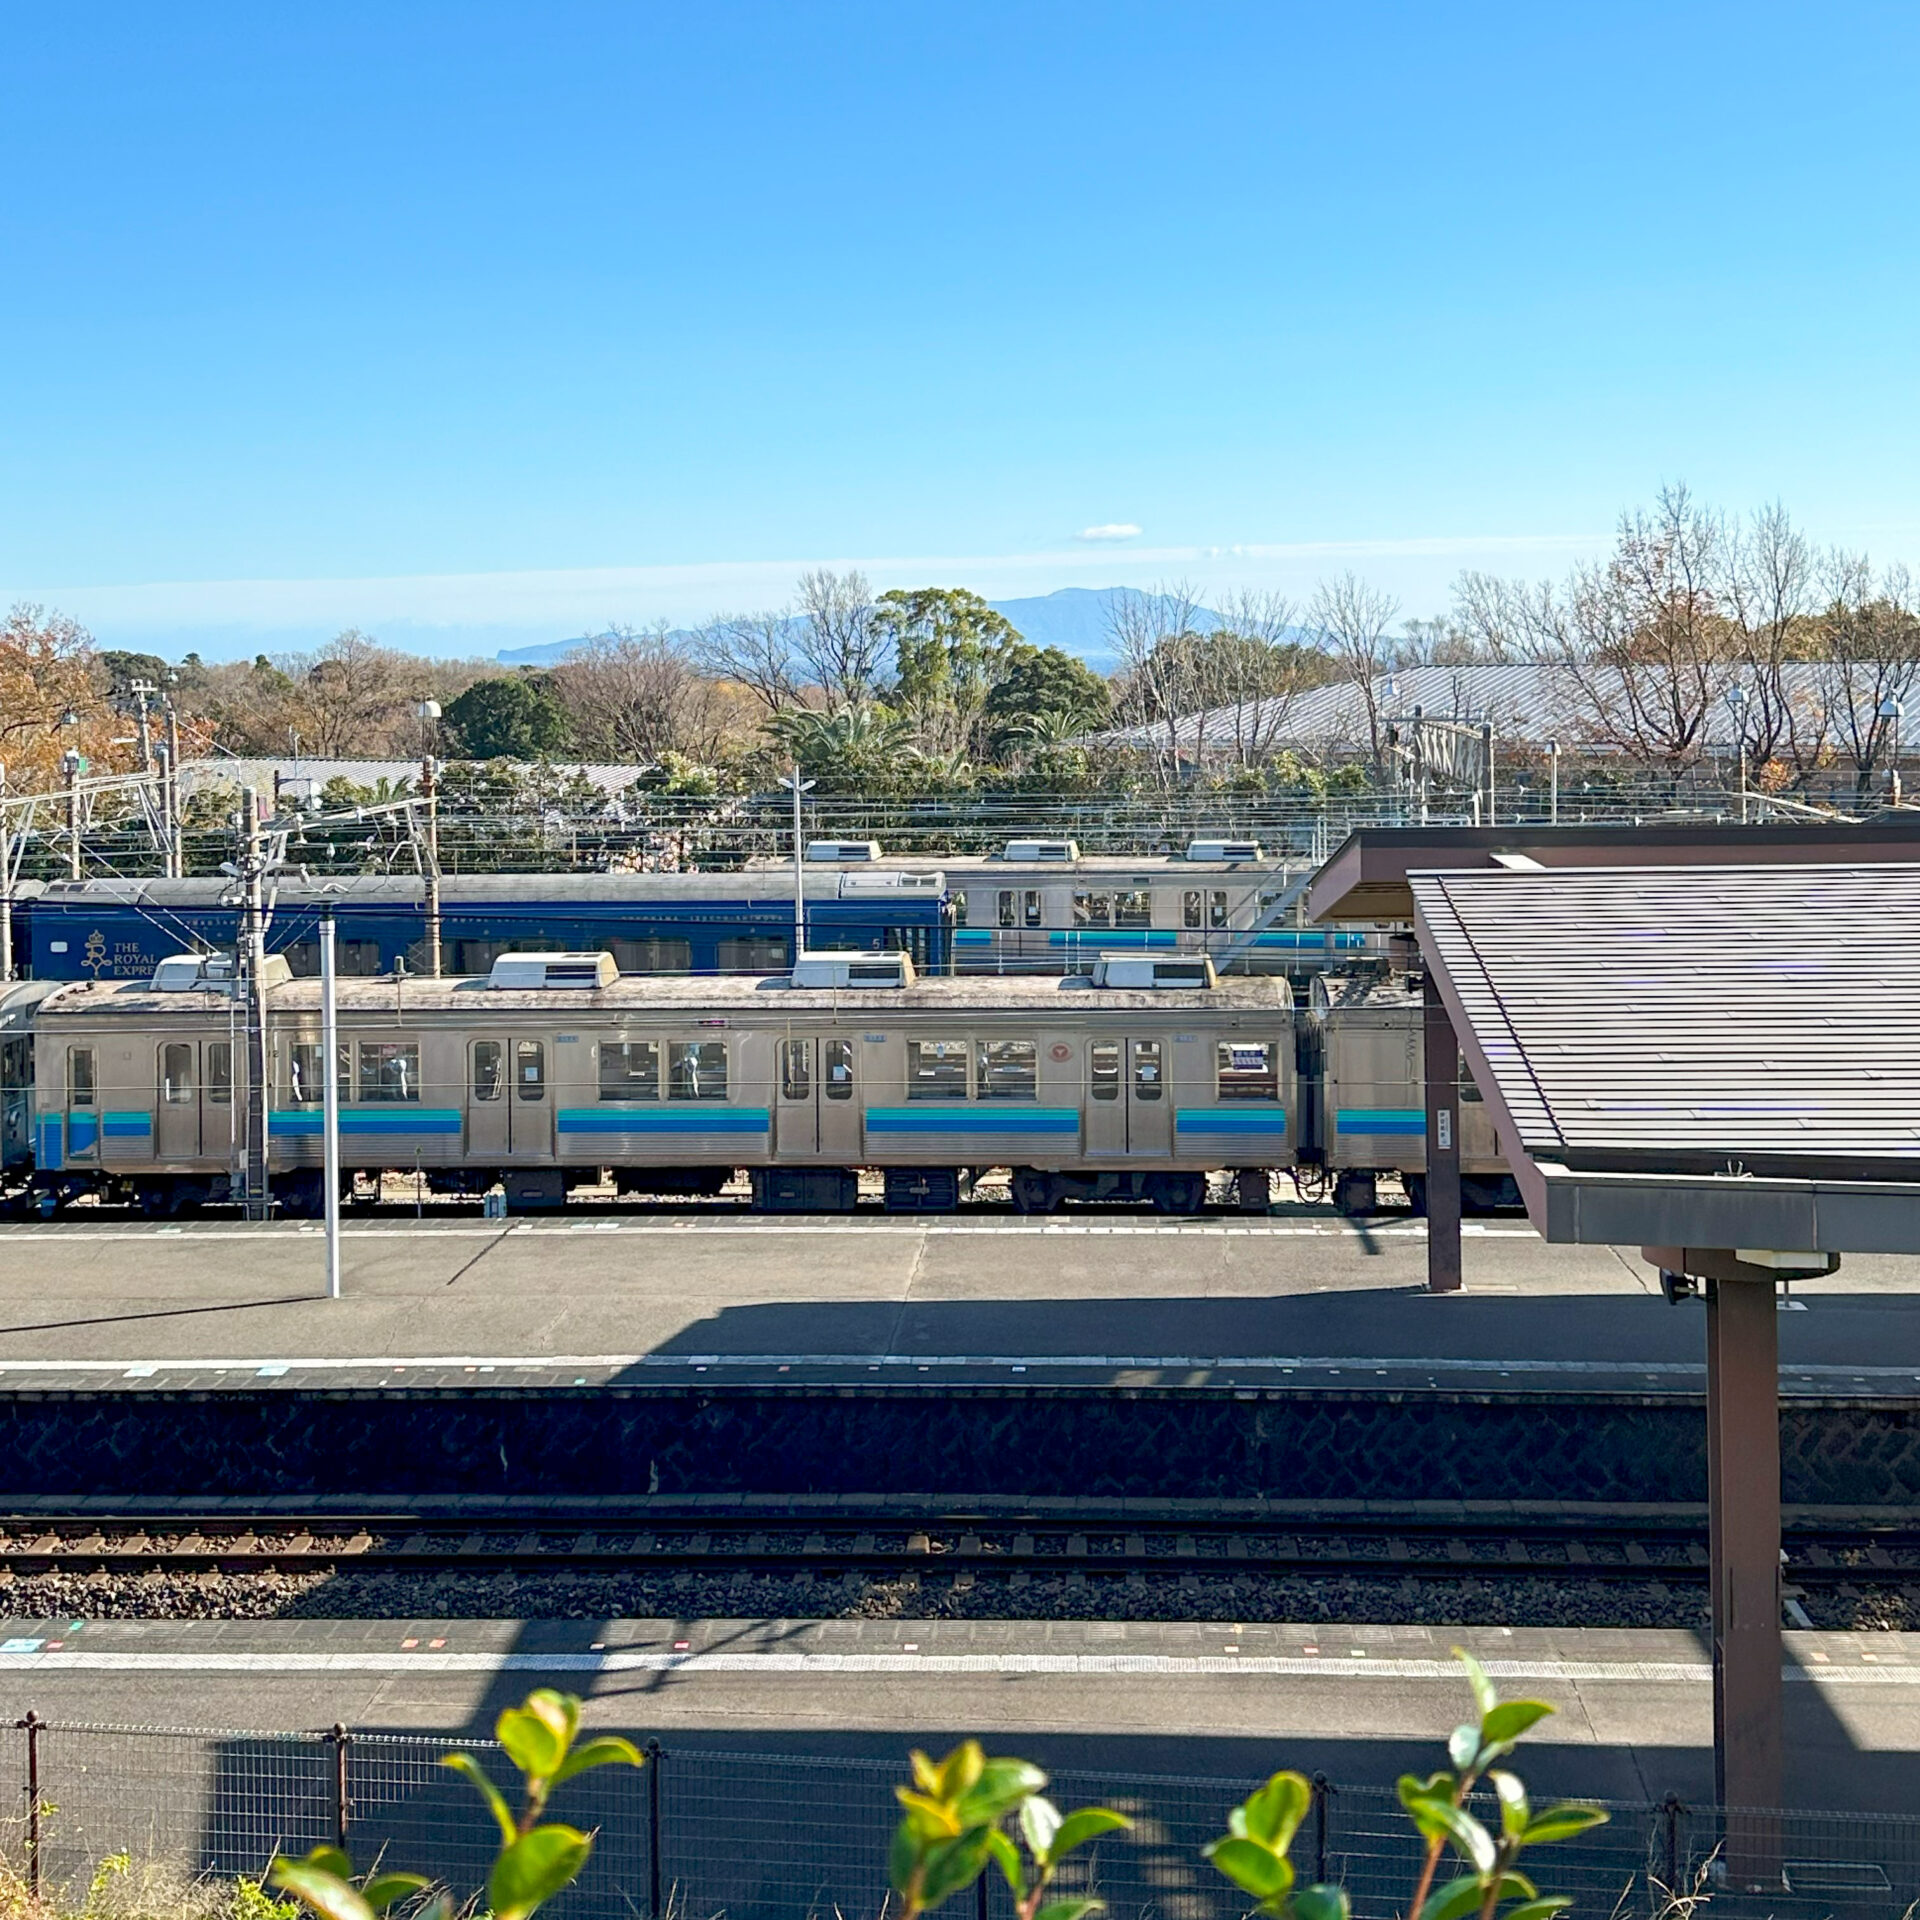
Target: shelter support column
<point x="1743" y="1490"/>
<point x="1443" y="1143"/>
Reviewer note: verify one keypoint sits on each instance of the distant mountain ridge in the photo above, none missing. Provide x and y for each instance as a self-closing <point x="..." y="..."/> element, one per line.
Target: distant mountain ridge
<point x="1074" y="619"/>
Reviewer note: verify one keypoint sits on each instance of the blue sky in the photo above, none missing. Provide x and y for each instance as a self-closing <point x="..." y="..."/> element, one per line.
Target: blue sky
<point x="478" y="324"/>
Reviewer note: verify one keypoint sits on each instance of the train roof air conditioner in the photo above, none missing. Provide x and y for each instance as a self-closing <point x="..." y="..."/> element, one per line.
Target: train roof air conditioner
<point x="1150" y="970"/>
<point x="843" y="852"/>
<point x="213" y="972"/>
<point x="523" y="970"/>
<point x="1223" y="849"/>
<point x="852" y="970"/>
<point x="1032" y="850"/>
<point x="892" y="880"/>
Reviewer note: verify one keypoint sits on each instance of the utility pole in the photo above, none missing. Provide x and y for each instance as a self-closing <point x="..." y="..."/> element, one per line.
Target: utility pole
<point x="6" y="881"/>
<point x="254" y="957"/>
<point x="142" y="690"/>
<point x="330" y="1097"/>
<point x="73" y="764"/>
<point x="175" y="838"/>
<point x="1486" y="761"/>
<point x="430" y="786"/>
<point x="798" y="787"/>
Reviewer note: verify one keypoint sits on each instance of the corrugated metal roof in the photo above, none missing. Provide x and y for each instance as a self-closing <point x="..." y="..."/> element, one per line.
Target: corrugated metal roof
<point x="1756" y="1019"/>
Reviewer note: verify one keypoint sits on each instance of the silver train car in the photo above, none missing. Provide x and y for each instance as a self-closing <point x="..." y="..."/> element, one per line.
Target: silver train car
<point x="1367" y="1063"/>
<point x="554" y="1071"/>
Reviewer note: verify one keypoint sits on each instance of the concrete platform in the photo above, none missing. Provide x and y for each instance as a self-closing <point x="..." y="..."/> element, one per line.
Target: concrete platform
<point x="1100" y="1296"/>
<point x="1361" y="1704"/>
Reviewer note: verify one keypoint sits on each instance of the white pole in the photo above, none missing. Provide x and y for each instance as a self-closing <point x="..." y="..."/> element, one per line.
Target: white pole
<point x="330" y="1120"/>
<point x="799" y="875"/>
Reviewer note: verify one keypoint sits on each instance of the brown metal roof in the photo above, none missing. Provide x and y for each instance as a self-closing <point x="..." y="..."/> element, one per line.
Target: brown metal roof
<point x="1366" y="878"/>
<point x="1745" y="1021"/>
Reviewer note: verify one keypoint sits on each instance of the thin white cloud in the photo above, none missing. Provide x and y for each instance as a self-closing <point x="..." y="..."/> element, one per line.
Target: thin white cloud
<point x="1113" y="530"/>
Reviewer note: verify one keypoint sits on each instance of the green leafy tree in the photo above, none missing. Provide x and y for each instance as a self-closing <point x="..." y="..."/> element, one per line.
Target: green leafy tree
<point x="951" y="1826"/>
<point x="852" y="749"/>
<point x="509" y="717"/>
<point x="537" y="1858"/>
<point x="1253" y="1853"/>
<point x="950" y="650"/>
<point x="1044" y="681"/>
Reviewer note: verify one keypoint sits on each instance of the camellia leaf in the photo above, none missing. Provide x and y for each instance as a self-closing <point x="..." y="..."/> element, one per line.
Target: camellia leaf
<point x="961" y="1769"/>
<point x="331" y="1860"/>
<point x="1320" y="1903"/>
<point x="1001" y="1786"/>
<point x="1485" y="1699"/>
<point x="1084" y="1824"/>
<point x="325" y="1893"/>
<point x="1274" y="1812"/>
<point x="465" y="1763"/>
<point x="1465" y="1894"/>
<point x="1539" y="1909"/>
<point x="903" y="1855"/>
<point x="1510" y="1719"/>
<point x="1562" y="1823"/>
<point x="1007" y="1856"/>
<point x="1514" y="1811"/>
<point x="1463" y="1744"/>
<point x="1039" y="1823"/>
<point x="954" y="1865"/>
<point x="926" y="1776"/>
<point x="534" y="1868"/>
<point x="538" y="1734"/>
<point x="1074" y="1909"/>
<point x="1252" y="1868"/>
<point x="609" y="1750"/>
<point x="1474" y="1841"/>
<point x="1428" y="1802"/>
<point x="383" y="1889"/>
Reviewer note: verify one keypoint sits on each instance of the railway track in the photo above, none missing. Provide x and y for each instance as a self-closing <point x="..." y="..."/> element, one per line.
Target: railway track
<point x="1581" y="1549"/>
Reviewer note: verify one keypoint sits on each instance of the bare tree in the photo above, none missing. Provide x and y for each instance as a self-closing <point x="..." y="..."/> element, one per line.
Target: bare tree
<point x="1350" y="620"/>
<point x="756" y="651"/>
<point x="633" y="695"/>
<point x="1870" y="668"/>
<point x="1255" y="666"/>
<point x="1158" y="684"/>
<point x="1769" y="580"/>
<point x="355" y="697"/>
<point x="843" y="645"/>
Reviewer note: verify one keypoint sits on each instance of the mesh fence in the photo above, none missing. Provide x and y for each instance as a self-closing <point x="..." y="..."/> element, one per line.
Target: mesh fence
<point x="703" y="1833"/>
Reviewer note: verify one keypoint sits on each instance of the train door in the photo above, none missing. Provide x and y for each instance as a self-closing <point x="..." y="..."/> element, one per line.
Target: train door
<point x="1129" y="1104"/>
<point x="176" y="1119"/>
<point x="796" y="1124"/>
<point x="841" y="1102"/>
<point x="509" y="1098"/>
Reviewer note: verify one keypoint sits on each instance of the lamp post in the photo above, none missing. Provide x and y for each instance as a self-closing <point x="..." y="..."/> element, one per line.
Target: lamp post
<point x="1892" y="712"/>
<point x="73" y="763"/>
<point x="796" y="786"/>
<point x="1553" y="770"/>
<point x="1737" y="706"/>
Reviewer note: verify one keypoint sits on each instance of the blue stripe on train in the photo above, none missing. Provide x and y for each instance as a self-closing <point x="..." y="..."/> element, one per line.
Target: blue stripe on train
<point x="83" y="1131"/>
<point x="626" y="1117"/>
<point x="1380" y="1120"/>
<point x="987" y="1117"/>
<point x="1240" y="1122"/>
<point x="46" y="1143"/>
<point x="307" y="1123"/>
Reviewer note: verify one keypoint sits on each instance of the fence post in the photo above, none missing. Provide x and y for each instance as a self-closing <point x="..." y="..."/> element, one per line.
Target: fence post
<point x="655" y="1755"/>
<point x="980" y="1895"/>
<point x="340" y="1738"/>
<point x="1672" y="1809"/>
<point x="1322" y="1802"/>
<point x="32" y="1725"/>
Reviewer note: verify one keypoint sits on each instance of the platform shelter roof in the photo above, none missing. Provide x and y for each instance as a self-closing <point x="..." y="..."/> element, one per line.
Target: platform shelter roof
<point x="1690" y="1056"/>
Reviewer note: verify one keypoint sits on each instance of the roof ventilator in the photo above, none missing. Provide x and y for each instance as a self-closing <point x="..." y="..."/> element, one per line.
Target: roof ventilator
<point x="1151" y="970"/>
<point x="576" y="970"/>
<point x="1223" y="850"/>
<point x="843" y="852"/>
<point x="1031" y="851"/>
<point x="852" y="970"/>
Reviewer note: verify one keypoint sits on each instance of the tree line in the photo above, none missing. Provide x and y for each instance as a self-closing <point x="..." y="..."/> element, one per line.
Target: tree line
<point x="1695" y="629"/>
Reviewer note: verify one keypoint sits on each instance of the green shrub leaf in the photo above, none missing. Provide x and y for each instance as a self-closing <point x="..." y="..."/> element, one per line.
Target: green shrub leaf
<point x="465" y="1763"/>
<point x="1320" y="1903"/>
<point x="1039" y="1823"/>
<point x="1253" y="1868"/>
<point x="1084" y="1824"/>
<point x="534" y="1868"/>
<point x="1074" y="1909"/>
<point x="1562" y="1823"/>
<point x="1510" y="1719"/>
<point x="538" y="1734"/>
<point x="383" y="1889"/>
<point x="607" y="1751"/>
<point x="325" y="1893"/>
<point x="1485" y="1699"/>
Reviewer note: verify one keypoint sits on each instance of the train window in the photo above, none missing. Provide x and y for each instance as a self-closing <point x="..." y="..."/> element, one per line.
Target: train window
<point x="1006" y="906"/>
<point x="1134" y="909"/>
<point x="1103" y="1069"/>
<point x="750" y="953"/>
<point x="1248" y="1070"/>
<point x="1217" y="907"/>
<point x="219" y="1080"/>
<point x="487" y="1070"/>
<point x="1031" y="906"/>
<point x="389" y="1070"/>
<point x="530" y="1069"/>
<point x="836" y="1068"/>
<point x="697" y="1069"/>
<point x="1190" y="908"/>
<point x="305" y="1064"/>
<point x="83" y="1090"/>
<point x="653" y="953"/>
<point x="1147" y="1083"/>
<point x="1093" y="909"/>
<point x="959" y="909"/>
<point x="176" y="1073"/>
<point x="936" y="1069"/>
<point x="629" y="1070"/>
<point x="796" y="1069"/>
<point x="1006" y="1069"/>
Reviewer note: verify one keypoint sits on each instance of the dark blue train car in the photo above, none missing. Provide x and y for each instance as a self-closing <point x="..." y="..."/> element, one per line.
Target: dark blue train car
<point x="650" y="922"/>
